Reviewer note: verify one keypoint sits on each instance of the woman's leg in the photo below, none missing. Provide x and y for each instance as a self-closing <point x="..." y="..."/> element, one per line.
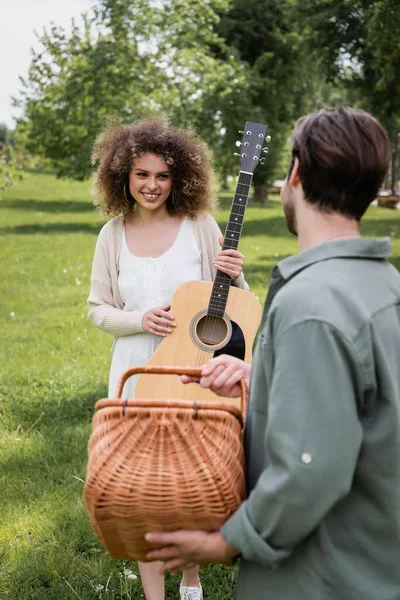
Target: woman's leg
<point x="191" y="577"/>
<point x="152" y="580"/>
<point x="190" y="588"/>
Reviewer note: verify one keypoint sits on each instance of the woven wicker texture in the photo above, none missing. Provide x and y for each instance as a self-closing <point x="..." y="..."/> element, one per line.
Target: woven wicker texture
<point x="162" y="465"/>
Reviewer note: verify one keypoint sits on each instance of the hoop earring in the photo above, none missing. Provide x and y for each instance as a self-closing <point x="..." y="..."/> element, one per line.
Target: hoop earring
<point x="131" y="200"/>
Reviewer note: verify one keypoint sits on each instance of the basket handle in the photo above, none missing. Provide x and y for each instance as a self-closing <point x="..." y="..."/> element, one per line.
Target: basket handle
<point x="191" y="371"/>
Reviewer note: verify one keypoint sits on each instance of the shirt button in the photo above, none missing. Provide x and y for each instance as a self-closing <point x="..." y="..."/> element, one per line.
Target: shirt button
<point x="306" y="458"/>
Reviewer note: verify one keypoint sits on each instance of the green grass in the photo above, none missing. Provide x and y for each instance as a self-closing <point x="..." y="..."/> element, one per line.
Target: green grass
<point x="54" y="366"/>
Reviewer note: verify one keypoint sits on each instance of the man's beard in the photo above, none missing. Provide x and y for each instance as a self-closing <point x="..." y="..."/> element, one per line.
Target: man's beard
<point x="290" y="212"/>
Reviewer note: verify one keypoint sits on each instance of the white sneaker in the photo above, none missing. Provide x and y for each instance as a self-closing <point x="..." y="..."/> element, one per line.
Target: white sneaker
<point x="191" y="593"/>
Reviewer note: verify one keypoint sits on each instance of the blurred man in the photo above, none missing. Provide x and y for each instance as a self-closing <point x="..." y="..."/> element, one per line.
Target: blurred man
<point x="322" y="518"/>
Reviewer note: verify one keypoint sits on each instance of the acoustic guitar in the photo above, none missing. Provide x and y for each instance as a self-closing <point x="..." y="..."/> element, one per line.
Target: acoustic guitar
<point x="212" y="317"/>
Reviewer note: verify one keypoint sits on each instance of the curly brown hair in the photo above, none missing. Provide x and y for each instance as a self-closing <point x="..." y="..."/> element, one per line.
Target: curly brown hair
<point x="189" y="160"/>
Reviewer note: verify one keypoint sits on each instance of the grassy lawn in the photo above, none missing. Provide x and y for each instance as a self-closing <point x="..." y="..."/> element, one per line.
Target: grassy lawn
<point x="54" y="366"/>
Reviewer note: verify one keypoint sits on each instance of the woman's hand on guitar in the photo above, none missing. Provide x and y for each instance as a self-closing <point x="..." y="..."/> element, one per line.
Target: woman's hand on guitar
<point x="229" y="261"/>
<point x="222" y="374"/>
<point x="158" y="321"/>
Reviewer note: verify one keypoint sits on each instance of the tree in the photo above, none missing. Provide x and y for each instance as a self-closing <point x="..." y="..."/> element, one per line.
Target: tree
<point x="123" y="63"/>
<point x="281" y="83"/>
<point x="357" y="40"/>
<point x="10" y="173"/>
<point x="3" y="133"/>
<point x="383" y="73"/>
<point x="75" y="82"/>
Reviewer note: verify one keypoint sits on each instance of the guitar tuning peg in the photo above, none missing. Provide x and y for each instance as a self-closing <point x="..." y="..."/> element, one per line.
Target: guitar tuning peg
<point x="241" y="131"/>
<point x="265" y="150"/>
<point x="262" y="161"/>
<point x="236" y="154"/>
<point x="238" y="144"/>
<point x="268" y="139"/>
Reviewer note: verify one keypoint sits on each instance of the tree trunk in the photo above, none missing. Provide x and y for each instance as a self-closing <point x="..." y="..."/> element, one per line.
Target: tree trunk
<point x="260" y="193"/>
<point x="224" y="182"/>
<point x="394" y="169"/>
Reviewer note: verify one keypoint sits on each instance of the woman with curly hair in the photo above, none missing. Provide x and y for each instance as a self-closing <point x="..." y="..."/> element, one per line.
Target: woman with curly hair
<point x="158" y="180"/>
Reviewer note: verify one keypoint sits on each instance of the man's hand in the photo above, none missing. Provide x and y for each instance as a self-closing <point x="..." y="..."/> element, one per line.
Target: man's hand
<point x="222" y="374"/>
<point x="182" y="549"/>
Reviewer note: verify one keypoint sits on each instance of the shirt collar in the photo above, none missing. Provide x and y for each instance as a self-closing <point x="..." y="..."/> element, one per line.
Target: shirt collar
<point x="354" y="248"/>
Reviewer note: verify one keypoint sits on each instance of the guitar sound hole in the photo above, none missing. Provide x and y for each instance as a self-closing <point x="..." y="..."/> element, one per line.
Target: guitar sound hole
<point x="211" y="330"/>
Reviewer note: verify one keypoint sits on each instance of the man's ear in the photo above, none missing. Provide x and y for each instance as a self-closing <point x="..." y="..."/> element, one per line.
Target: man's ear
<point x="294" y="178"/>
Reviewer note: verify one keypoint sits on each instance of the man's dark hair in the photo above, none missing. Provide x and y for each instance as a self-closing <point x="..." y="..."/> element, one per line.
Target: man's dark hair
<point x="343" y="157"/>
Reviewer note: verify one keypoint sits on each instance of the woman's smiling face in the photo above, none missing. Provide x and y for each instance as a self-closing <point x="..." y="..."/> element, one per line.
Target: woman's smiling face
<point x="150" y="181"/>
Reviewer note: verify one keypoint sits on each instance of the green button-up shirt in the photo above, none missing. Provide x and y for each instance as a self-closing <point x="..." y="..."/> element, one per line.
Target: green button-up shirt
<point x="322" y="519"/>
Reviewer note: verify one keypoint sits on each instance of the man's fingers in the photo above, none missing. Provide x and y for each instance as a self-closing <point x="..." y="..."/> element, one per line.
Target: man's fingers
<point x="174" y="565"/>
<point x="213" y="368"/>
<point x="223" y="379"/>
<point x="182" y="568"/>
<point x="189" y="379"/>
<point x="166" y="538"/>
<point x="208" y="380"/>
<point x="165" y="553"/>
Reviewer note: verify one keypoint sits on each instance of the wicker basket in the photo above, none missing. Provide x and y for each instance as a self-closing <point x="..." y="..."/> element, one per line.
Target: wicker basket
<point x="162" y="465"/>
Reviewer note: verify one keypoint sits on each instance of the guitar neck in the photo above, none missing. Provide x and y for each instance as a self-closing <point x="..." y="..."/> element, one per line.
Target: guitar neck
<point x="222" y="282"/>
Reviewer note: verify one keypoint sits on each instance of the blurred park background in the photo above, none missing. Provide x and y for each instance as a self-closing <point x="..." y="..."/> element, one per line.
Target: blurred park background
<point x="207" y="64"/>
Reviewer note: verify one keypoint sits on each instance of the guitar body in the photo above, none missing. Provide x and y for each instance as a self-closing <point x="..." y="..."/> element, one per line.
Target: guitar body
<point x="198" y="337"/>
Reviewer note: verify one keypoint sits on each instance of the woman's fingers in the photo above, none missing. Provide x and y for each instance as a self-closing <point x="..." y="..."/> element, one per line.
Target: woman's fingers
<point x="163" y="314"/>
<point x="163" y="322"/>
<point x="159" y="321"/>
<point x="233" y="273"/>
<point x="231" y="255"/>
<point x="229" y="262"/>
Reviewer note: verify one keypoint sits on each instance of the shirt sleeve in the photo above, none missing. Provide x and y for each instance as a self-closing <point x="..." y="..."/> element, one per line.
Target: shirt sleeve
<point x="311" y="443"/>
<point x="103" y="312"/>
<point x="106" y="316"/>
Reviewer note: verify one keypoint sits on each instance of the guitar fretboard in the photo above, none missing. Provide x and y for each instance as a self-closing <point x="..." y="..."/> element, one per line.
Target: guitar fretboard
<point x="222" y="282"/>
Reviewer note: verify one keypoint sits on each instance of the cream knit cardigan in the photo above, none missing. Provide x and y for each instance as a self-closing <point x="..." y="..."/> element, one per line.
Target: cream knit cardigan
<point x="105" y="303"/>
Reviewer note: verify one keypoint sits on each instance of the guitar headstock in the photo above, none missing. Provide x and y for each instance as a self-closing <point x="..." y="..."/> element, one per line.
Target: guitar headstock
<point x="251" y="146"/>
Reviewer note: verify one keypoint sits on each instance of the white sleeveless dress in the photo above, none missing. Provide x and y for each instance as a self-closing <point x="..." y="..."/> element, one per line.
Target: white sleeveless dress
<point x="144" y="283"/>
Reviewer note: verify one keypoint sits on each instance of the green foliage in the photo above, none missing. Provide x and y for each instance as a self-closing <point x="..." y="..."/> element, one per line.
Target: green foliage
<point x="124" y="63"/>
<point x="358" y="42"/>
<point x="4" y="133"/>
<point x="211" y="66"/>
<point x="89" y="75"/>
<point x="10" y="172"/>
<point x="54" y="366"/>
<point x="280" y="80"/>
<point x="208" y="65"/>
